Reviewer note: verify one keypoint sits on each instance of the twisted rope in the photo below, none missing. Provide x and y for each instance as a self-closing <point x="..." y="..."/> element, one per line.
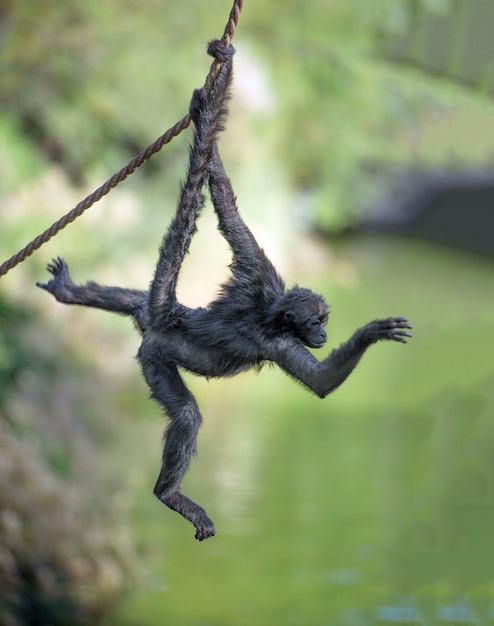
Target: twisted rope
<point x="131" y="167"/>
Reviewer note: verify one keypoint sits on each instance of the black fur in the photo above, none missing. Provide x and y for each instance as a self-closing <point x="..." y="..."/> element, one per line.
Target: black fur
<point x="254" y="319"/>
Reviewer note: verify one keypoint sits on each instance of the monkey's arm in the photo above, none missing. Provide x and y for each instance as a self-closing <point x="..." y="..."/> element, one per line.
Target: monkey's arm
<point x="176" y="242"/>
<point x="249" y="259"/>
<point x="230" y="222"/>
<point x="322" y="377"/>
<point x="131" y="302"/>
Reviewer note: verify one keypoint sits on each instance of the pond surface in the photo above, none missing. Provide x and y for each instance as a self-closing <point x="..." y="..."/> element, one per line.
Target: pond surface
<point x="373" y="506"/>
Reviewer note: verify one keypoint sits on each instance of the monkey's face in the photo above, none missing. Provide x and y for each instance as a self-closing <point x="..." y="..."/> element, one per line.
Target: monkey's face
<point x="310" y="322"/>
<point x="311" y="330"/>
<point x="306" y="316"/>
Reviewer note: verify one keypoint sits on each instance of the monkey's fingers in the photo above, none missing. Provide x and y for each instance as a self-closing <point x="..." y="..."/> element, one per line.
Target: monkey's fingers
<point x="399" y="322"/>
<point x="400" y="336"/>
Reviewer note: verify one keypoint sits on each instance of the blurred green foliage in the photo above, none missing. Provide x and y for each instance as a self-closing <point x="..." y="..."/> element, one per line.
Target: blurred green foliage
<point x="93" y="83"/>
<point x="14" y="353"/>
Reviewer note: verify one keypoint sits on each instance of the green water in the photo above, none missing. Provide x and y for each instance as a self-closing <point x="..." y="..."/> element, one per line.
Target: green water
<point x="373" y="506"/>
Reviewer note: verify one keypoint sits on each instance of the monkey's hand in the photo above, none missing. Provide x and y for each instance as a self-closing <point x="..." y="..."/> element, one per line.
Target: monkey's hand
<point x="392" y="329"/>
<point x="61" y="283"/>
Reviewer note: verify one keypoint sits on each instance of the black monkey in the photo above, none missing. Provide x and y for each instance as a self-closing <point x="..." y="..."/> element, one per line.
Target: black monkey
<point x="254" y="319"/>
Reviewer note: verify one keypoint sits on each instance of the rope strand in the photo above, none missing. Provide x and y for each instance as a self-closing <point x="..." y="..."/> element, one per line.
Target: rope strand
<point x="131" y="167"/>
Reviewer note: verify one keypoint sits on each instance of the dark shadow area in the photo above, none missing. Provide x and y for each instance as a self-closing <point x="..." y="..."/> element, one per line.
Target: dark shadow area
<point x="455" y="209"/>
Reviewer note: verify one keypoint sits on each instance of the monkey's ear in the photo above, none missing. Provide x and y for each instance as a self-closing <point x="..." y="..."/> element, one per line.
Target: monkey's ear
<point x="288" y="316"/>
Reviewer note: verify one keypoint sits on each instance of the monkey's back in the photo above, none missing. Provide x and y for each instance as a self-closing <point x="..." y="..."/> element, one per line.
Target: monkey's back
<point x="205" y="344"/>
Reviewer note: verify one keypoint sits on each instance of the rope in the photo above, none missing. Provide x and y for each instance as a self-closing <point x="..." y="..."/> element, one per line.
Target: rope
<point x="131" y="167"/>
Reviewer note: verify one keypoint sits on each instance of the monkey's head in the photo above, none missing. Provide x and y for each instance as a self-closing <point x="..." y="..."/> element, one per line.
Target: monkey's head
<point x="305" y="314"/>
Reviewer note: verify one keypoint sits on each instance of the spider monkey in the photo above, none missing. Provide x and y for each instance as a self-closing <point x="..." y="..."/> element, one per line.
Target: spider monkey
<point x="253" y="320"/>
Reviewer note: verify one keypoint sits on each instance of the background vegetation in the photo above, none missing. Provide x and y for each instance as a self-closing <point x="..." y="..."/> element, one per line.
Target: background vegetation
<point x="369" y="507"/>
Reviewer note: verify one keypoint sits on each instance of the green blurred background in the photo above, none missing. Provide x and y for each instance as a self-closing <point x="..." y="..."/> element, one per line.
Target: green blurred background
<point x="374" y="506"/>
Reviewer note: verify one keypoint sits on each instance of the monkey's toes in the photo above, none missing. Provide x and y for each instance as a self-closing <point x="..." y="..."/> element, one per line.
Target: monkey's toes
<point x="206" y="531"/>
<point x="57" y="266"/>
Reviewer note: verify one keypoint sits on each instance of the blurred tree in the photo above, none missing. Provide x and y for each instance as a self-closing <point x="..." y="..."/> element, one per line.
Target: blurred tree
<point x="62" y="551"/>
<point x="99" y="80"/>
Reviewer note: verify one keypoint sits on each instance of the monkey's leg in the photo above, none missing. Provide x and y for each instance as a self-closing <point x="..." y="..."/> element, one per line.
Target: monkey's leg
<point x="180" y="442"/>
<point x="125" y="301"/>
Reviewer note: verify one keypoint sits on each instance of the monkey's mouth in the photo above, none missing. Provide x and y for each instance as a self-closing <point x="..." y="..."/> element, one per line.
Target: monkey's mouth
<point x="317" y="345"/>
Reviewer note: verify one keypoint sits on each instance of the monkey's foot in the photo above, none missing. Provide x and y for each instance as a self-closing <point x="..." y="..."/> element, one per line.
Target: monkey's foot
<point x="204" y="528"/>
<point x="192" y="512"/>
<point x="61" y="282"/>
